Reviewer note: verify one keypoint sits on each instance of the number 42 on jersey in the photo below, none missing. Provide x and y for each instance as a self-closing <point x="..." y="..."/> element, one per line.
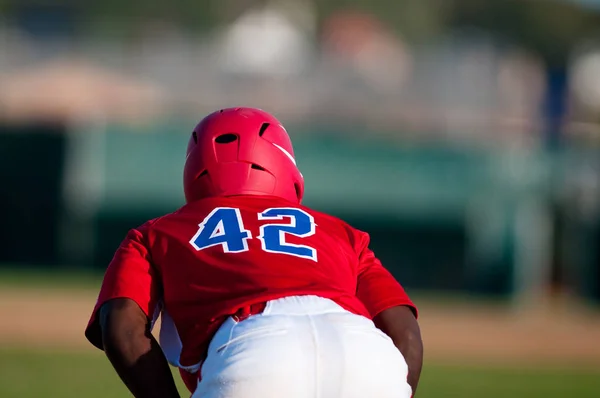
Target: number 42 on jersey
<point x="224" y="227"/>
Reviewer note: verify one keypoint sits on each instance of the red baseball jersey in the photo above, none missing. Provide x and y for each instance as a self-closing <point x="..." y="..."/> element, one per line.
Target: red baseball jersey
<point x="212" y="257"/>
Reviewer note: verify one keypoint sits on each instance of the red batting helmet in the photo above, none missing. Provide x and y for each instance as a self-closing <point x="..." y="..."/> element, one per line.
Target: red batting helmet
<point x="241" y="151"/>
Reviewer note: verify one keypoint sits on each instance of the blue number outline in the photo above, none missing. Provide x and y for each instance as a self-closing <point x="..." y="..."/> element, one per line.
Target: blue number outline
<point x="224" y="245"/>
<point x="282" y="242"/>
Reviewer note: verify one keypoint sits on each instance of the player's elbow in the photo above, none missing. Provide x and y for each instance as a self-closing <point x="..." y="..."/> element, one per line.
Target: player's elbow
<point x="125" y="331"/>
<point x="401" y="325"/>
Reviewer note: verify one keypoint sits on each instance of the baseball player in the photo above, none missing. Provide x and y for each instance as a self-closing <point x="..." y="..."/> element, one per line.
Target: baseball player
<point x="260" y="296"/>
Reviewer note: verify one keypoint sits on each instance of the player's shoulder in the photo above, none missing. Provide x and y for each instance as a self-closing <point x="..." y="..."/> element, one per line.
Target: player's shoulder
<point x="250" y="203"/>
<point x="354" y="235"/>
<point x="318" y="214"/>
<point x="334" y="225"/>
<point x="156" y="222"/>
<point x="198" y="209"/>
<point x="148" y="225"/>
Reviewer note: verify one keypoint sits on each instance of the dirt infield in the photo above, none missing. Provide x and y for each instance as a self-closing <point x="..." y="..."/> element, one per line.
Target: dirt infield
<point x="457" y="333"/>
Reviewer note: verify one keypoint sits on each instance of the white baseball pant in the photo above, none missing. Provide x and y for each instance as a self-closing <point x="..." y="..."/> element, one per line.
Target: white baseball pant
<point x="303" y="347"/>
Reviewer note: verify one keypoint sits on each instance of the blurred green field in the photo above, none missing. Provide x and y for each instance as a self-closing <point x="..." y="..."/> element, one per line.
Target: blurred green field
<point x="25" y="373"/>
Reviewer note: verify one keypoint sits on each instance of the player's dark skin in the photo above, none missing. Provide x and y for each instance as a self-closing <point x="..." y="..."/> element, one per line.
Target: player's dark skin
<point x="138" y="359"/>
<point x="401" y="325"/>
<point x="134" y="352"/>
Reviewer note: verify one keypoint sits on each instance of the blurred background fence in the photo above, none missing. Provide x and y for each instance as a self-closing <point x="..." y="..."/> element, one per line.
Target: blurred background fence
<point x="463" y="135"/>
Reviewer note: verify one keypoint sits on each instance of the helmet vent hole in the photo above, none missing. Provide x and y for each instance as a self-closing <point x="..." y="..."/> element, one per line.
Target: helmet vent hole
<point x="257" y="167"/>
<point x="263" y="128"/>
<point x="226" y="138"/>
<point x="195" y="137"/>
<point x="297" y="188"/>
<point x="205" y="172"/>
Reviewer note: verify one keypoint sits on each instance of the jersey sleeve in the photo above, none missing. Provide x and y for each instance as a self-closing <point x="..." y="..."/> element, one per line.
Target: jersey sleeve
<point x="130" y="275"/>
<point x="377" y="288"/>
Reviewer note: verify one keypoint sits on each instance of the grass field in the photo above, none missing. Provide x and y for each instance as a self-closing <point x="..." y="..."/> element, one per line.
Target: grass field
<point x="56" y="374"/>
<point x="478" y="351"/>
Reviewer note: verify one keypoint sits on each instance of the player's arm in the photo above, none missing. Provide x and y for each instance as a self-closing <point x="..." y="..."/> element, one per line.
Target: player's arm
<point x="400" y="323"/>
<point x="133" y="351"/>
<point x="121" y="321"/>
<point x="392" y="310"/>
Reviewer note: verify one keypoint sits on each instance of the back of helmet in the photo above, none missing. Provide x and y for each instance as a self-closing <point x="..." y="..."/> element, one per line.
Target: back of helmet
<point x="241" y="151"/>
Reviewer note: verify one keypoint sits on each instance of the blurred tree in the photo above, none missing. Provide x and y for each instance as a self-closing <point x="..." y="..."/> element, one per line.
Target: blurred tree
<point x="193" y="15"/>
<point x="415" y="20"/>
<point x="116" y="17"/>
<point x="550" y="28"/>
